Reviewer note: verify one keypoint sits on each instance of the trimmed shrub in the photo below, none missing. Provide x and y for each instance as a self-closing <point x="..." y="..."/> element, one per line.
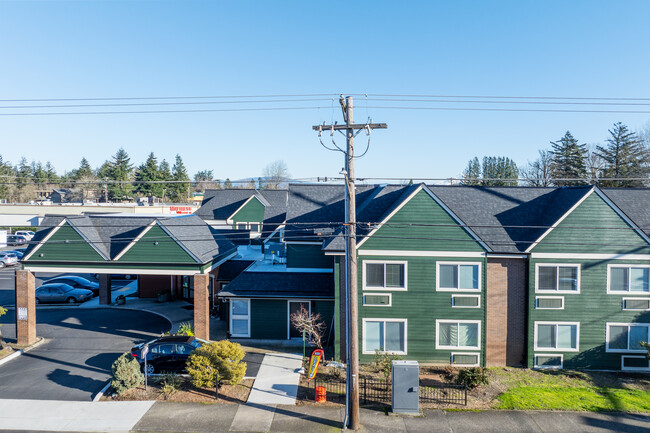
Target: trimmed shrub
<point x="185" y="328"/>
<point x="472" y="377"/>
<point x="222" y="356"/>
<point x="126" y="373"/>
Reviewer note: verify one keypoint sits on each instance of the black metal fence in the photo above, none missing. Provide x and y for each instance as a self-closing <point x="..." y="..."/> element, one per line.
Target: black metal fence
<point x="375" y="392"/>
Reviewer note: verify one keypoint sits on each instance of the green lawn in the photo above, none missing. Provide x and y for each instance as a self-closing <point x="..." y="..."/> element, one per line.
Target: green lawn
<point x="575" y="398"/>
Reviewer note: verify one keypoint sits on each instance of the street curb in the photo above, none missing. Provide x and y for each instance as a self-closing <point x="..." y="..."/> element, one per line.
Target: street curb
<point x="21" y="351"/>
<point x="101" y="393"/>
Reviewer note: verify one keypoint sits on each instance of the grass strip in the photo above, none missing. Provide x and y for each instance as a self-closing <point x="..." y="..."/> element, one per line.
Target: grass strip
<point x="570" y="398"/>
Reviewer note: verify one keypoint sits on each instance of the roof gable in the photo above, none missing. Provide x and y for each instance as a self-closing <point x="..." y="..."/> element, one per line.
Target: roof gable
<point x="419" y="221"/>
<point x="64" y="243"/>
<point x="593" y="224"/>
<point x="156" y="245"/>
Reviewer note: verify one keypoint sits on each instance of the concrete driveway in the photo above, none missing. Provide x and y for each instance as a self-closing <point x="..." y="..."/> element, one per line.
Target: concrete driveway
<point x="75" y="362"/>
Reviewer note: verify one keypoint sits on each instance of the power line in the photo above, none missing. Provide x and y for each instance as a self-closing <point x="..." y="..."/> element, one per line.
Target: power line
<point x="149" y="98"/>
<point x="578" y="98"/>
<point x="523" y="110"/>
<point x="162" y="111"/>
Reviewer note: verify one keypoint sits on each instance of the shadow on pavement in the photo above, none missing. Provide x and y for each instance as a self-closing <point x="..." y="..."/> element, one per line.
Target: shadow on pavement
<point x="74" y="381"/>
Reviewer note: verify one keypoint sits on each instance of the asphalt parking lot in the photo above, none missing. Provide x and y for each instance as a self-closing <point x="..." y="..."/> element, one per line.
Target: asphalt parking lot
<point x="75" y="362"/>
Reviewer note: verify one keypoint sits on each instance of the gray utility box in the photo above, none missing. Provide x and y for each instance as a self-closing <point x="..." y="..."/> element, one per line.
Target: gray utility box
<point x="406" y="387"/>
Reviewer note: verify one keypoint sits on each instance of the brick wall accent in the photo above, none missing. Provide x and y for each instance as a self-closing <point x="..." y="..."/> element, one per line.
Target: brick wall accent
<point x="25" y="299"/>
<point x="201" y="306"/>
<point x="505" y="303"/>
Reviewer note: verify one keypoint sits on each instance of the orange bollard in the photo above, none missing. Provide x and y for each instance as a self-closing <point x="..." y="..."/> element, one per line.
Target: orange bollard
<point x="321" y="394"/>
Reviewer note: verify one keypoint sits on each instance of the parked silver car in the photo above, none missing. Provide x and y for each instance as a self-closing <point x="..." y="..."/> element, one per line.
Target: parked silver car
<point x="8" y="259"/>
<point x="59" y="293"/>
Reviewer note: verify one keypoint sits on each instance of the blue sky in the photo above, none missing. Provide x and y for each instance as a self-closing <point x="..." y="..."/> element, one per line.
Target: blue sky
<point x="148" y="48"/>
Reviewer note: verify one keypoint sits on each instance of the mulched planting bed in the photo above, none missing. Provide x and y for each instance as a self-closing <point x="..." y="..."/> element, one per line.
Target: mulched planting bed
<point x="184" y="392"/>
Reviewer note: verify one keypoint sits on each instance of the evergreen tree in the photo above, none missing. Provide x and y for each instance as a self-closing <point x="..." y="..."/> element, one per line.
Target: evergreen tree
<point x="179" y="190"/>
<point x="83" y="171"/>
<point x="51" y="172"/>
<point x="147" y="173"/>
<point x="165" y="174"/>
<point x="501" y="169"/>
<point x="204" y="180"/>
<point x="624" y="156"/>
<point x="121" y="170"/>
<point x="227" y="184"/>
<point x="472" y="172"/>
<point x="568" y="161"/>
<point x="260" y="184"/>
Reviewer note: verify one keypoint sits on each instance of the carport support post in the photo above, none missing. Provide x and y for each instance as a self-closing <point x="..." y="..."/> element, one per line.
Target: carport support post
<point x="25" y="308"/>
<point x="105" y="289"/>
<point x="201" y="306"/>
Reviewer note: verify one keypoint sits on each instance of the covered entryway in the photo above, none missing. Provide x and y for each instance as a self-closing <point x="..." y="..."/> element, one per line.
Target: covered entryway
<point x="169" y="248"/>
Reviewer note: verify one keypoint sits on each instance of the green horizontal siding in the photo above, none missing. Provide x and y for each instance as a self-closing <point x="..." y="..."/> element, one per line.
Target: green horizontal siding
<point x="269" y="319"/>
<point x="156" y="246"/>
<point x="66" y="245"/>
<point x="307" y="256"/>
<point x="326" y="310"/>
<point x="438" y="232"/>
<point x="593" y="307"/>
<point x="593" y="227"/>
<point x="253" y="211"/>
<point x="422" y="305"/>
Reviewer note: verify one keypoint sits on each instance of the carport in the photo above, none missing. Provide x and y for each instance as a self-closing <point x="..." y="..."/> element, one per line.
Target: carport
<point x="180" y="248"/>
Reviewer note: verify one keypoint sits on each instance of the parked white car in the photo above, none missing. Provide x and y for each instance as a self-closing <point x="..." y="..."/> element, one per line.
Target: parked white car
<point x="28" y="234"/>
<point x="8" y="259"/>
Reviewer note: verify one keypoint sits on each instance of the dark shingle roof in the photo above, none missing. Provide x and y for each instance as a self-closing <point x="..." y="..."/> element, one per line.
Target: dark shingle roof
<point x="497" y="214"/>
<point x="281" y="285"/>
<point x="110" y="234"/>
<point x="232" y="268"/>
<point x="220" y="204"/>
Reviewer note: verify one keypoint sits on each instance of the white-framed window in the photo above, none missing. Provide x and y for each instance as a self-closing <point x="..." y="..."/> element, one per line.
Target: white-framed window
<point x="254" y="227"/>
<point x="628" y="279"/>
<point x="241" y="226"/>
<point x="384" y="275"/>
<point x="551" y="361"/>
<point x="377" y="299"/>
<point x="458" y="276"/>
<point x="465" y="359"/>
<point x="458" y="334"/>
<point x="635" y="363"/>
<point x="556" y="336"/>
<point x="384" y="335"/>
<point x="466" y="301"/>
<point x="636" y="304"/>
<point x="557" y="278"/>
<point x="240" y="313"/>
<point x="549" y="302"/>
<point x="625" y="337"/>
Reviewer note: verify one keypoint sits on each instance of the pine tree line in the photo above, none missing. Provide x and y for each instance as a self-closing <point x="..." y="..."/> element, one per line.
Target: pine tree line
<point x="623" y="161"/>
<point x="33" y="181"/>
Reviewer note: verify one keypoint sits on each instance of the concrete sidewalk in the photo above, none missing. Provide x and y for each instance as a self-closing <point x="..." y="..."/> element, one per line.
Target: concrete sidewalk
<point x="181" y="417"/>
<point x="60" y="416"/>
<point x="277" y="380"/>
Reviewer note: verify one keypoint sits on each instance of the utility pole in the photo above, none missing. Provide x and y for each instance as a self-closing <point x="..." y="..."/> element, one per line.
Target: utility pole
<point x="352" y="298"/>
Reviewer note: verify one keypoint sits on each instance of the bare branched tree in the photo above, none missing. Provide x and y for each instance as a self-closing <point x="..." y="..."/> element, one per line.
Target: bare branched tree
<point x="311" y="324"/>
<point x="275" y="174"/>
<point x="538" y="172"/>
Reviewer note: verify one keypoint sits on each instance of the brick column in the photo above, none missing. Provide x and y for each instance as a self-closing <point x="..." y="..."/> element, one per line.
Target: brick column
<point x="201" y="306"/>
<point x="25" y="308"/>
<point x="105" y="289"/>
